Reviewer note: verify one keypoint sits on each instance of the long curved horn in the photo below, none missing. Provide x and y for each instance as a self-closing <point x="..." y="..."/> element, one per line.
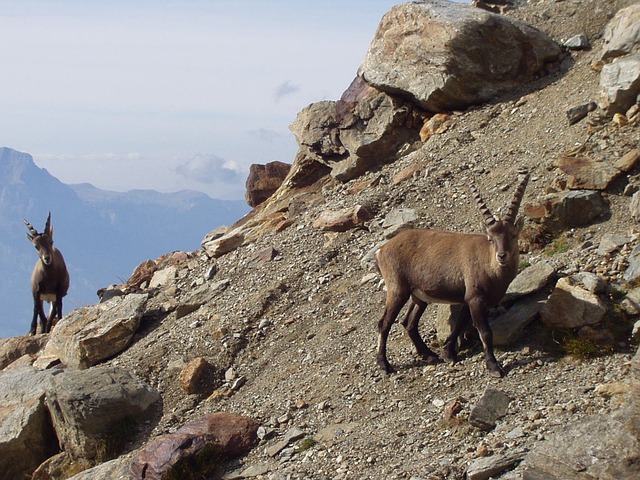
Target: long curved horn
<point x="489" y="219"/>
<point x="510" y="217"/>
<point x="47" y="227"/>
<point x="32" y="230"/>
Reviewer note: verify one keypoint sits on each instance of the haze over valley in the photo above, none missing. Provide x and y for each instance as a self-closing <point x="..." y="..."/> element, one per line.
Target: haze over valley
<point x="103" y="235"/>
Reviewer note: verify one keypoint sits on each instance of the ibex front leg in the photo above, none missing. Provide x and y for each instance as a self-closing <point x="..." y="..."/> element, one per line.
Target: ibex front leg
<point x="38" y="311"/>
<point x="479" y="316"/>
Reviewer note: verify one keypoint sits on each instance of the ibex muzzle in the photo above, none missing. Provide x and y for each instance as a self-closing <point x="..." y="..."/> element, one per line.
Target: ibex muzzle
<point x="49" y="280"/>
<point x="433" y="266"/>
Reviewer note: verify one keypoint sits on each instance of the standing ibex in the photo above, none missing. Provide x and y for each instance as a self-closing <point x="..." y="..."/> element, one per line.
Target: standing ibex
<point x="49" y="280"/>
<point x="432" y="266"/>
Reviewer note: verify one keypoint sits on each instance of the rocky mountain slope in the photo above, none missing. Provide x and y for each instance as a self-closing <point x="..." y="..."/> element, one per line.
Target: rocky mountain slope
<point x="275" y="319"/>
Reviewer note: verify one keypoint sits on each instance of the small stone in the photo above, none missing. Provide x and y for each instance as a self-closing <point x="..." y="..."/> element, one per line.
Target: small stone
<point x="577" y="42"/>
<point x="191" y="375"/>
<point x="492" y="406"/>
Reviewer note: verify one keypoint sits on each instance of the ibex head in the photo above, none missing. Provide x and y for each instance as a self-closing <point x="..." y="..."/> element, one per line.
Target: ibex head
<point x="43" y="242"/>
<point x="503" y="234"/>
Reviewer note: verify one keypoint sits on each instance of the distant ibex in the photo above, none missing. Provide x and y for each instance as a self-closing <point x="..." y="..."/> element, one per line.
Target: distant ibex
<point x="432" y="266"/>
<point x="49" y="280"/>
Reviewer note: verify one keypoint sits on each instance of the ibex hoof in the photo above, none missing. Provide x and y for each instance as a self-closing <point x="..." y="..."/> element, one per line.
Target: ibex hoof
<point x="431" y="359"/>
<point x="495" y="370"/>
<point x="385" y="366"/>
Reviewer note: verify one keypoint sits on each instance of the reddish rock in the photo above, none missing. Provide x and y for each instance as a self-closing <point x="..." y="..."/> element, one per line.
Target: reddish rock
<point x="264" y="180"/>
<point x="196" y="448"/>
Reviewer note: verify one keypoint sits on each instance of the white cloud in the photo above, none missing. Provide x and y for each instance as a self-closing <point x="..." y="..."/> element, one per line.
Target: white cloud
<point x="210" y="169"/>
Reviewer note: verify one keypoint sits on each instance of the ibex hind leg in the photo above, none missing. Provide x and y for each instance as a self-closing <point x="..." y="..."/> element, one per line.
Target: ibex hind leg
<point x="391" y="311"/>
<point x="461" y="322"/>
<point x="410" y="323"/>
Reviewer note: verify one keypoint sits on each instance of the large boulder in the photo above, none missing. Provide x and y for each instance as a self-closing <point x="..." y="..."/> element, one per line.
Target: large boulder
<point x="572" y="306"/>
<point x="622" y="34"/>
<point x="194" y="450"/>
<point x="361" y="131"/>
<point x="448" y="56"/>
<point x="95" y="411"/>
<point x="92" y="334"/>
<point x="560" y="211"/>
<point x="27" y="437"/>
<point x="620" y="77"/>
<point x="620" y="84"/>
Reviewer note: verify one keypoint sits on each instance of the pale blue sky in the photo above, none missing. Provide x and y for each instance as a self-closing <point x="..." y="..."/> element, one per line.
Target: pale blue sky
<point x="171" y="95"/>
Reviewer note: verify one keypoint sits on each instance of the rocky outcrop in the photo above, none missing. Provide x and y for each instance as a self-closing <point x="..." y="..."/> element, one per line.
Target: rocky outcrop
<point x="264" y="180"/>
<point x="467" y="55"/>
<point x="363" y="130"/>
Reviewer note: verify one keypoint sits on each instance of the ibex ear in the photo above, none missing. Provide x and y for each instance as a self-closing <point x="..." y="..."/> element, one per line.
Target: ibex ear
<point x="519" y="224"/>
<point x="30" y="238"/>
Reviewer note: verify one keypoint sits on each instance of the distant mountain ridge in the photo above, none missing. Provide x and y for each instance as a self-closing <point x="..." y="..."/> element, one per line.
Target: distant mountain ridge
<point x="103" y="235"/>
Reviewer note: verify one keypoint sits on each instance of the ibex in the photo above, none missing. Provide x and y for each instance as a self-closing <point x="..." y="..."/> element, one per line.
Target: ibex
<point x="50" y="278"/>
<point x="433" y="266"/>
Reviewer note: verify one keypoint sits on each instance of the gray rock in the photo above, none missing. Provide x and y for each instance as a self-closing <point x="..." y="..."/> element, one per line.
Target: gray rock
<point x="594" y="447"/>
<point x="532" y="279"/>
<point x="620" y="84"/>
<point x="568" y="209"/>
<point x="397" y="220"/>
<point x="577" y="42"/>
<point x="11" y="349"/>
<point x="488" y="467"/>
<point x="571" y="306"/>
<point x="590" y="281"/>
<point x="27" y="437"/>
<point x="633" y="270"/>
<point x="490" y="408"/>
<point x="634" y="207"/>
<point x="611" y="242"/>
<point x="343" y="219"/>
<point x="217" y="246"/>
<point x="117" y="469"/>
<point x="509" y="327"/>
<point x="95" y="411"/>
<point x="363" y="130"/>
<point x="92" y="334"/>
<point x="163" y="277"/>
<point x="622" y="34"/>
<point x="448" y="55"/>
<point x="577" y="113"/>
